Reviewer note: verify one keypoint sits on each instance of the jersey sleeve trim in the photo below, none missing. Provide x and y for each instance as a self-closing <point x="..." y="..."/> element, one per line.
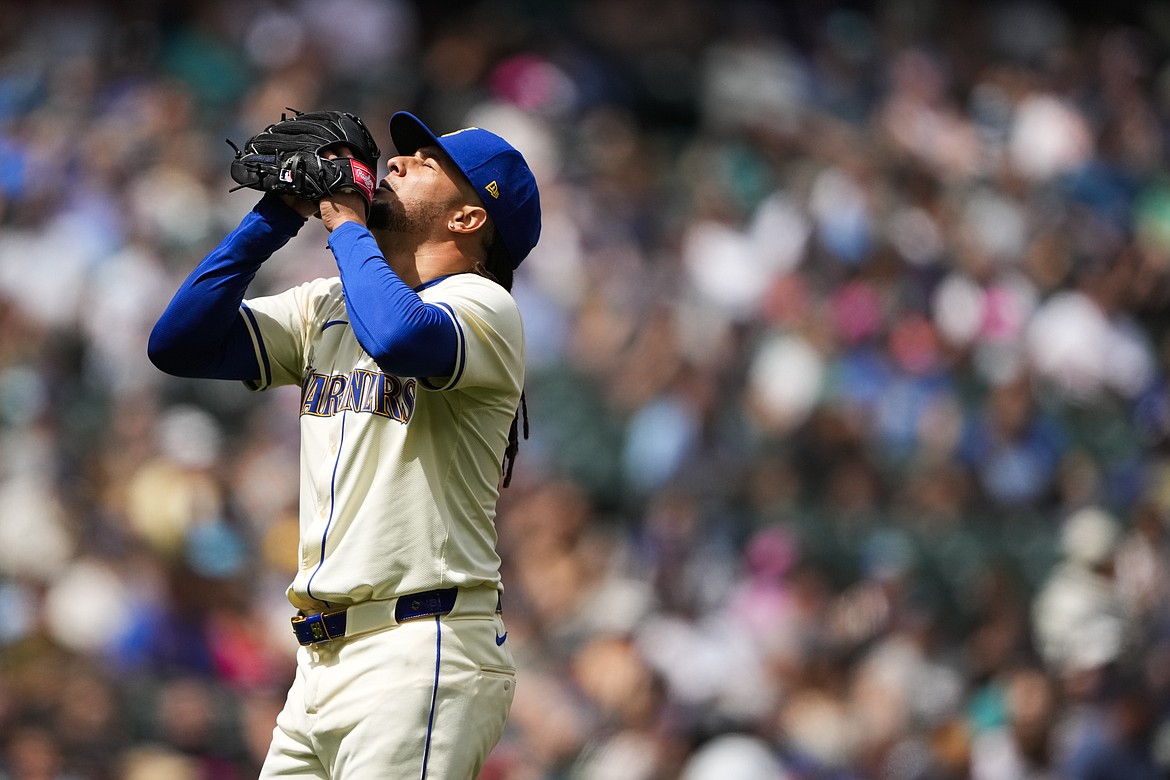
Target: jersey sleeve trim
<point x="261" y="352"/>
<point x="460" y="353"/>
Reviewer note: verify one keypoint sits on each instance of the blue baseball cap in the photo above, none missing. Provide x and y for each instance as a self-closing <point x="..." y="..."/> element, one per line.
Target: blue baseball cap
<point x="496" y="170"/>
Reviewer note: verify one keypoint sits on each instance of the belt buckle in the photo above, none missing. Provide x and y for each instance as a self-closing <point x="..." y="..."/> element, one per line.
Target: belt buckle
<point x="318" y="631"/>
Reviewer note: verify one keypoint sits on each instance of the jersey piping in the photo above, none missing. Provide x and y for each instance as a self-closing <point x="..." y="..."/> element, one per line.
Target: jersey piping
<point x="261" y="350"/>
<point x="460" y="352"/>
<point x="332" y="505"/>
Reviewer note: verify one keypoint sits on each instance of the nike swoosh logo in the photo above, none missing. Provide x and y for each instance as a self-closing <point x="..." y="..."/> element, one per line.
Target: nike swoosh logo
<point x="500" y="639"/>
<point x="333" y="322"/>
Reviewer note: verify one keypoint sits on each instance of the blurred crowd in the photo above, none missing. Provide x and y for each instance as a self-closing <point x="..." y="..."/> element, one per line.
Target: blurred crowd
<point x="849" y="382"/>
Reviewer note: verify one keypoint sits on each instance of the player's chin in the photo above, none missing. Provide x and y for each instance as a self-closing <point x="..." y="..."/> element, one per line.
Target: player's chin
<point x="379" y="218"/>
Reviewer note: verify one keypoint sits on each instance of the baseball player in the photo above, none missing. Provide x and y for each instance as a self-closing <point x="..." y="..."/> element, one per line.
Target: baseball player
<point x="411" y="367"/>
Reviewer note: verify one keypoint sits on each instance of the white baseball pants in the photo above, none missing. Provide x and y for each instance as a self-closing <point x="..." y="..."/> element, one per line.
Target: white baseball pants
<point x="423" y="700"/>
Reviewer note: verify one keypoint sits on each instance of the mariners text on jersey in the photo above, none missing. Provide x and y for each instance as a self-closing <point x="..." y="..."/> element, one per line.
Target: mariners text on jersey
<point x="361" y="390"/>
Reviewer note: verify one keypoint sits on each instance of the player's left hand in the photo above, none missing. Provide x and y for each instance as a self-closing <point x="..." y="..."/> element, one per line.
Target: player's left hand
<point x="290" y="157"/>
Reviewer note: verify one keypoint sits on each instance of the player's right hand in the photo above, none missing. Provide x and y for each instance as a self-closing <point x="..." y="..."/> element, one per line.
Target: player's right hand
<point x="306" y="208"/>
<point x="343" y="205"/>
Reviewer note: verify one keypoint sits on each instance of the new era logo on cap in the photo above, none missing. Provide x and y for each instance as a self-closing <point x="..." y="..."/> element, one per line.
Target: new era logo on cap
<point x="492" y="165"/>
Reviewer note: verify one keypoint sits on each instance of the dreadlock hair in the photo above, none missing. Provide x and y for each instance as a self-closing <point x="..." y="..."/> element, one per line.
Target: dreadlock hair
<point x="496" y="263"/>
<point x="497" y="266"/>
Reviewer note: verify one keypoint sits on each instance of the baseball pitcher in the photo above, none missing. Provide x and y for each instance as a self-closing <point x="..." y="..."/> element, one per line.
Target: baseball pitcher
<point x="411" y="367"/>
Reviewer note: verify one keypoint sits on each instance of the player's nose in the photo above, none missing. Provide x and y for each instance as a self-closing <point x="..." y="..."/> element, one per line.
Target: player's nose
<point x="397" y="165"/>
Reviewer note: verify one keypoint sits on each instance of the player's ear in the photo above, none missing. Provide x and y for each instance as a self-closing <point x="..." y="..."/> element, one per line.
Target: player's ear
<point x="467" y="219"/>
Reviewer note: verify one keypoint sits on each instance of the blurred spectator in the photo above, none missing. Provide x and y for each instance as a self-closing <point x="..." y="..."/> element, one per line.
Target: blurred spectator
<point x="1025" y="746"/>
<point x="1082" y="624"/>
<point x="738" y="756"/>
<point x="1122" y="742"/>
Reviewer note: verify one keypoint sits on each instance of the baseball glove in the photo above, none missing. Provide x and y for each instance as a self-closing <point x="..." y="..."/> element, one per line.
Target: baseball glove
<point x="286" y="156"/>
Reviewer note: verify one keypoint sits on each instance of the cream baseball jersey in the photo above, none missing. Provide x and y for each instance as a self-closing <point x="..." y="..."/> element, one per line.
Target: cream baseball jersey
<point x="399" y="475"/>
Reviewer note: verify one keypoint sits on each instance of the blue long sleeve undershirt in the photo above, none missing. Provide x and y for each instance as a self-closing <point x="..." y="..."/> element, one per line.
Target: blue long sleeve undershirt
<point x="403" y="334"/>
<point x="202" y="332"/>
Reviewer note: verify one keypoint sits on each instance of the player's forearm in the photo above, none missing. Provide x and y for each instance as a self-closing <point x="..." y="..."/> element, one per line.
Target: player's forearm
<point x="201" y="333"/>
<point x="402" y="333"/>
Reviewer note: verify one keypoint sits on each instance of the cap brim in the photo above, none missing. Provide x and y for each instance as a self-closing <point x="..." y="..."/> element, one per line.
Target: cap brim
<point x="409" y="134"/>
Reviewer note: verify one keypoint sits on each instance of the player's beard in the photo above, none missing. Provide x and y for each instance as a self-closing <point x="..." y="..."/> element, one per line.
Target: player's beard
<point x="396" y="216"/>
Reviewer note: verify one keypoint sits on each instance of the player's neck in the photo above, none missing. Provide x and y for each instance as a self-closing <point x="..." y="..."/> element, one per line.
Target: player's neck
<point x="428" y="261"/>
